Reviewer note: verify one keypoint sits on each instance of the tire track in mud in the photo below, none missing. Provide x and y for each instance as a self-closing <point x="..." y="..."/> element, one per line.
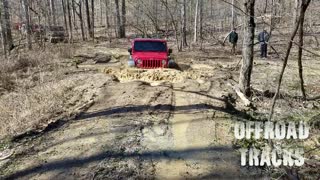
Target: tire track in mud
<point x="192" y="146"/>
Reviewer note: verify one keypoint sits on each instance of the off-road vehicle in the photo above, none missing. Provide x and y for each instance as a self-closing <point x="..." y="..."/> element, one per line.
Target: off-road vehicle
<point x="150" y="54"/>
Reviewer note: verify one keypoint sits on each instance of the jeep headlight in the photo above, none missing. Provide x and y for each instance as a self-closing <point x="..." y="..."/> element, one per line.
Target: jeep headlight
<point x="164" y="62"/>
<point x="139" y="61"/>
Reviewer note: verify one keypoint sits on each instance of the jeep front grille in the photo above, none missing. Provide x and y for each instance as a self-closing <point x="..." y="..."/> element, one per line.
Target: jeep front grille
<point x="151" y="64"/>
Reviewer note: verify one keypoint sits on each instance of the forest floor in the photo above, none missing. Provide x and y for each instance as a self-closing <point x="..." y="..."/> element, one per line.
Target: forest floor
<point x="120" y="123"/>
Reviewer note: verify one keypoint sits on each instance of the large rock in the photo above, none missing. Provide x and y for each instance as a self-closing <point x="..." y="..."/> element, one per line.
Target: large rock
<point x="102" y="58"/>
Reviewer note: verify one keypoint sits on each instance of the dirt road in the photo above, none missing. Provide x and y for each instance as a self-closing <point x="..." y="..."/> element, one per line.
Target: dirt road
<point x="159" y="125"/>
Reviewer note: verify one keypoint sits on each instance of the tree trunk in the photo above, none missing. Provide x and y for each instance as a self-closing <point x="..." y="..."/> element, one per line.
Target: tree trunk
<point x="247" y="50"/>
<point x="273" y="14"/>
<point x="195" y="35"/>
<point x="81" y="20"/>
<point x="26" y="7"/>
<point x="49" y="12"/>
<point x="53" y="13"/>
<point x="70" y="22"/>
<point x="118" y="19"/>
<point x="65" y="16"/>
<point x="21" y="11"/>
<point x="88" y="17"/>
<point x="184" y="24"/>
<point x="233" y="15"/>
<point x="201" y="21"/>
<point x="92" y="20"/>
<point x="123" y="19"/>
<point x="7" y="24"/>
<point x="3" y="33"/>
<point x="302" y="17"/>
<point x="73" y="4"/>
<point x="107" y="14"/>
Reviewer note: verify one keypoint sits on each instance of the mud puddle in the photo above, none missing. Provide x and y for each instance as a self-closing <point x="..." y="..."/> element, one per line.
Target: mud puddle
<point x="196" y="72"/>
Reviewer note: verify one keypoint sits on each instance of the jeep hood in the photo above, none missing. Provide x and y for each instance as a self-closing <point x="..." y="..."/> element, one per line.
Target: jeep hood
<point x="150" y="55"/>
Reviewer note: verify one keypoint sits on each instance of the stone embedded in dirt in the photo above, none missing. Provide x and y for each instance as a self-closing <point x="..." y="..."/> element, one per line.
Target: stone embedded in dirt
<point x="5" y="154"/>
<point x="102" y="58"/>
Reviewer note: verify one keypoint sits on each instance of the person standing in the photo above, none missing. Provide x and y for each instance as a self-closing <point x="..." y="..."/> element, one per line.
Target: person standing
<point x="263" y="39"/>
<point x="233" y="39"/>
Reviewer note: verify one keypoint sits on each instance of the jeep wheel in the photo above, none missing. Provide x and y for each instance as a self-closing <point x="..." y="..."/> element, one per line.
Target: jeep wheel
<point x="172" y="64"/>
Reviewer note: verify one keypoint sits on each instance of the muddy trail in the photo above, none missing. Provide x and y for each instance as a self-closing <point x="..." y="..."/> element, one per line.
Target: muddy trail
<point x="143" y="124"/>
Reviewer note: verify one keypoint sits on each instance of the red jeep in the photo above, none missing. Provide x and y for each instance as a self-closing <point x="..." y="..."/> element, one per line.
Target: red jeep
<point x="149" y="54"/>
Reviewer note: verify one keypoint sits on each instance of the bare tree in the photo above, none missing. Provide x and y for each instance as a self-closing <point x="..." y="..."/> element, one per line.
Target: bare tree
<point x="3" y="33"/>
<point x="88" y="17"/>
<point x="7" y="21"/>
<point x="79" y="4"/>
<point x="64" y="9"/>
<point x="201" y="21"/>
<point x="247" y="50"/>
<point x="123" y="20"/>
<point x="92" y="20"/>
<point x="53" y="7"/>
<point x="118" y="19"/>
<point x="301" y="24"/>
<point x="49" y="12"/>
<point x="303" y="9"/>
<point x="28" y="25"/>
<point x="70" y="22"/>
<point x="195" y="31"/>
<point x="73" y="4"/>
<point x="107" y="14"/>
<point x="233" y="14"/>
<point x="184" y="24"/>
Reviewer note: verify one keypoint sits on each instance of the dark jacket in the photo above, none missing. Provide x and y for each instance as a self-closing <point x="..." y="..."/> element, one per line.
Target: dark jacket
<point x="233" y="37"/>
<point x="263" y="37"/>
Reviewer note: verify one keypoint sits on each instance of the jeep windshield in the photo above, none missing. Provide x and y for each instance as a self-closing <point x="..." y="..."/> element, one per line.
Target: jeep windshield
<point x="147" y="46"/>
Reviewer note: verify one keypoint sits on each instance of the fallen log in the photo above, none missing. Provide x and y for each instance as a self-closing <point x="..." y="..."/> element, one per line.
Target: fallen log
<point x="244" y="99"/>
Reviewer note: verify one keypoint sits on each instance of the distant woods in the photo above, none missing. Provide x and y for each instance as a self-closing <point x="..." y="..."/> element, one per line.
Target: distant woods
<point x="187" y="22"/>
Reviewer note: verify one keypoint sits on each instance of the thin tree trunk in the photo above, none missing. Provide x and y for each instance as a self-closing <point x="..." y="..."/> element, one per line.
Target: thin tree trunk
<point x="70" y="22"/>
<point x="247" y="50"/>
<point x="101" y="12"/>
<point x="3" y="33"/>
<point x="304" y="7"/>
<point x="201" y="21"/>
<point x="53" y="12"/>
<point x="21" y="11"/>
<point x="81" y="20"/>
<point x="74" y="14"/>
<point x="184" y="24"/>
<point x="273" y="14"/>
<point x="233" y="15"/>
<point x="49" y="12"/>
<point x="107" y="14"/>
<point x="195" y="35"/>
<point x="302" y="17"/>
<point x="7" y="24"/>
<point x="88" y="17"/>
<point x="123" y="19"/>
<point x="166" y="16"/>
<point x="26" y="7"/>
<point x="65" y="17"/>
<point x="92" y="19"/>
<point x="118" y="19"/>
